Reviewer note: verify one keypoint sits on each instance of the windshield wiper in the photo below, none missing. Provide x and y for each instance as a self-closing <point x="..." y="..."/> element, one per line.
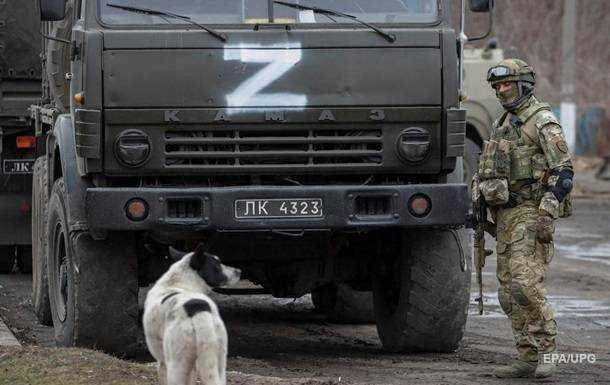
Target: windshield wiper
<point x="323" y="11"/>
<point x="164" y="14"/>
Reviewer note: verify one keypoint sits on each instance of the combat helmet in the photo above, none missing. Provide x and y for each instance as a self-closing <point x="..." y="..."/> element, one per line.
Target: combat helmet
<point x="514" y="70"/>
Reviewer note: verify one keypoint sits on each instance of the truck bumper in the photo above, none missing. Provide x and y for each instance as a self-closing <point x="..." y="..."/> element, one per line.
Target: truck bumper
<point x="15" y="221"/>
<point x="344" y="207"/>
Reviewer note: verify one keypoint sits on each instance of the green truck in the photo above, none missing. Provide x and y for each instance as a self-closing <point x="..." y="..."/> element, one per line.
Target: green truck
<point x="308" y="143"/>
<point x="20" y="86"/>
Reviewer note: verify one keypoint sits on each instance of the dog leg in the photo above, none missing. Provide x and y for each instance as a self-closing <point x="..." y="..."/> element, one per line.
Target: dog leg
<point x="222" y="354"/>
<point x="208" y="365"/>
<point x="180" y="354"/>
<point x="162" y="371"/>
<point x="179" y="372"/>
<point x="222" y="366"/>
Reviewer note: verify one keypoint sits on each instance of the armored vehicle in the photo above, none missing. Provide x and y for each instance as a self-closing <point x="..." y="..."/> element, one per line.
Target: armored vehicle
<point x="308" y="143"/>
<point x="20" y="86"/>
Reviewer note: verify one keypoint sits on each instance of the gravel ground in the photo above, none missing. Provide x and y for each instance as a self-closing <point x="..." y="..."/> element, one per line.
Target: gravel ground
<point x="283" y="341"/>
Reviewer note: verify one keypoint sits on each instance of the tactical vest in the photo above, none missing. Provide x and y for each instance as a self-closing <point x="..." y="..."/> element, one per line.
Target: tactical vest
<point x="528" y="164"/>
<point x="514" y="157"/>
<point x="513" y="167"/>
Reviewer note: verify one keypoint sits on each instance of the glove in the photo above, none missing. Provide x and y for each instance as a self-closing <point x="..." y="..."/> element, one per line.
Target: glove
<point x="545" y="228"/>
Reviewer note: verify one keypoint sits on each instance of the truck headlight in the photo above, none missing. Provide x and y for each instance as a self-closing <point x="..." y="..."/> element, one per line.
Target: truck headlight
<point x="132" y="148"/>
<point x="413" y="144"/>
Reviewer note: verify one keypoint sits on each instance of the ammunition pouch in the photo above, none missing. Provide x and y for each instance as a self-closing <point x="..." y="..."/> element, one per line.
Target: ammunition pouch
<point x="523" y="164"/>
<point x="495" y="160"/>
<point x="539" y="166"/>
<point x="495" y="191"/>
<point x="529" y="191"/>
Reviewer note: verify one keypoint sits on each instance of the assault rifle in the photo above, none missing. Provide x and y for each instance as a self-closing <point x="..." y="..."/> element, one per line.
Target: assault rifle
<point x="481" y="225"/>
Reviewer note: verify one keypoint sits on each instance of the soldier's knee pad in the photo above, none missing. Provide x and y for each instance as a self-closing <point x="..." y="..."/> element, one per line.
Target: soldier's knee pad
<point x="521" y="294"/>
<point x="504" y="297"/>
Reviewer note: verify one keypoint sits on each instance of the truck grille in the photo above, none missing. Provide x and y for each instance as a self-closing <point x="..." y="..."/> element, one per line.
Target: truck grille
<point x="273" y="147"/>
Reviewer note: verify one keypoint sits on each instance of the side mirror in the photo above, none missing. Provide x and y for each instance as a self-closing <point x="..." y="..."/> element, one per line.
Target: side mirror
<point x="481" y="5"/>
<point x="52" y="10"/>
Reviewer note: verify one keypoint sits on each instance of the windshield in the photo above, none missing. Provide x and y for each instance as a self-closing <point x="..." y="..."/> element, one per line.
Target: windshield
<point x="255" y="11"/>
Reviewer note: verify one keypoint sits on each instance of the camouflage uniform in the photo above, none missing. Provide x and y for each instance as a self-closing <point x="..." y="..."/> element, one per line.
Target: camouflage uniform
<point x="531" y="158"/>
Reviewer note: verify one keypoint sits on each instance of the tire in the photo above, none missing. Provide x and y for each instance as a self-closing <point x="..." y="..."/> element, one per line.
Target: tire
<point x="93" y="285"/>
<point x="421" y="295"/>
<point x="58" y="60"/>
<point x="471" y="160"/>
<point x="342" y="304"/>
<point x="7" y="259"/>
<point x="40" y="280"/>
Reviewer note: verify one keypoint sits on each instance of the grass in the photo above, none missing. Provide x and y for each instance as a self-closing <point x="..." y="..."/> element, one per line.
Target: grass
<point x="70" y="366"/>
<point x="33" y="365"/>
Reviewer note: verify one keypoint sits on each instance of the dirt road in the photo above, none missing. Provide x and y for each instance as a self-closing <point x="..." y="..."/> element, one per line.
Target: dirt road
<point x="287" y="339"/>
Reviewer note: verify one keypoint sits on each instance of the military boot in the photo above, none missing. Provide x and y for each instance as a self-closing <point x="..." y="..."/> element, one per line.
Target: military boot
<point x="517" y="369"/>
<point x="545" y="369"/>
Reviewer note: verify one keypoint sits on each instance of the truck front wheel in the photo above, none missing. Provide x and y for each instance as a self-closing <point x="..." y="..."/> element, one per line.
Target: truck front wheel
<point x="93" y="285"/>
<point x="421" y="294"/>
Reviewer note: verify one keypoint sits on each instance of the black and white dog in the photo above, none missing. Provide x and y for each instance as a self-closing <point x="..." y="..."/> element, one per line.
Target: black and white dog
<point x="183" y="329"/>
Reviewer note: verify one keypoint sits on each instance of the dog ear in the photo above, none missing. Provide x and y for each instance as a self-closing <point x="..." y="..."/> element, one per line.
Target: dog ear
<point x="199" y="257"/>
<point x="201" y="249"/>
<point x="176" y="254"/>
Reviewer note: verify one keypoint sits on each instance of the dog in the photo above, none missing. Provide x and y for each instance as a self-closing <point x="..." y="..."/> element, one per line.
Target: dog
<point x="183" y="329"/>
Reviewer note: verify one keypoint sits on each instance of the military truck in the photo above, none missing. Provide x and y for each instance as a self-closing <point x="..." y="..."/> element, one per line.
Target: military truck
<point x="20" y="86"/>
<point x="307" y="143"/>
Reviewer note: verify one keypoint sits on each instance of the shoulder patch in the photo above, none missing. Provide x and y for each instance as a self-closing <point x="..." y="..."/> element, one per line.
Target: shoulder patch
<point x="194" y="306"/>
<point x="546" y="117"/>
<point x="562" y="146"/>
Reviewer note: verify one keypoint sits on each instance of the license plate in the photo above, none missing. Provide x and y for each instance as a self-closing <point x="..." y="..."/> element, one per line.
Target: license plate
<point x="278" y="208"/>
<point x="18" y="166"/>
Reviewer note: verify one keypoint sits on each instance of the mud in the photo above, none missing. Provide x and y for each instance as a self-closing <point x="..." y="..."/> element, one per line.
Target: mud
<point x="286" y="342"/>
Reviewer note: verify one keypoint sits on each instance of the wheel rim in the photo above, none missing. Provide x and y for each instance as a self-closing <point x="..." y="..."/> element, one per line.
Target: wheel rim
<point x="61" y="257"/>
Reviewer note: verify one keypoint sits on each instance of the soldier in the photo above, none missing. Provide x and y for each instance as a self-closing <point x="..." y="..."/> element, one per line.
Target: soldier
<point x="525" y="175"/>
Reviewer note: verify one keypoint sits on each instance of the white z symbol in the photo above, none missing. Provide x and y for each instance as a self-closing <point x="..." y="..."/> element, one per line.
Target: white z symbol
<point x="280" y="58"/>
